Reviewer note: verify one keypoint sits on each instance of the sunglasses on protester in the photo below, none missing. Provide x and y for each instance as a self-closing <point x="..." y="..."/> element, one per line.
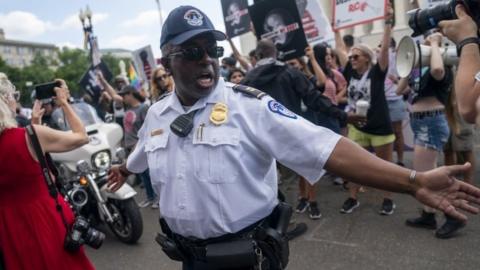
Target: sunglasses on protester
<point x="197" y="53"/>
<point x="354" y="57"/>
<point x="162" y="77"/>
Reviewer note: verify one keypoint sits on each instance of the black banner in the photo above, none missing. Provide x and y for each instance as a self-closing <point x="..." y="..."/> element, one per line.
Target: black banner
<point x="280" y="22"/>
<point x="89" y="82"/>
<point x="235" y="16"/>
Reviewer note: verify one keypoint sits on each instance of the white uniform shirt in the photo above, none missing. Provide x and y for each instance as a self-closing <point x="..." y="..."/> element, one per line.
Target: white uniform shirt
<point x="221" y="179"/>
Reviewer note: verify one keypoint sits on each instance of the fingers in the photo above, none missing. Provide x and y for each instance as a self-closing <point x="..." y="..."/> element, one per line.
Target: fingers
<point x="452" y="211"/>
<point x="463" y="205"/>
<point x="470" y="190"/>
<point x="469" y="198"/>
<point x="460" y="11"/>
<point x="458" y="169"/>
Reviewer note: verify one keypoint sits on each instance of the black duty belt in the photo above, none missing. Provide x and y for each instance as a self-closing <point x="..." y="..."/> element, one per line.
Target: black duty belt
<point x="421" y="115"/>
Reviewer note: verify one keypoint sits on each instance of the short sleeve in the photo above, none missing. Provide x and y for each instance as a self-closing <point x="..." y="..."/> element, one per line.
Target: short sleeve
<point x="137" y="161"/>
<point x="294" y="141"/>
<point x="341" y="82"/>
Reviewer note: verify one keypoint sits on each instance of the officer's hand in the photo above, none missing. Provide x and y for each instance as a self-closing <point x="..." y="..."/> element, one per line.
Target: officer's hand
<point x="356" y="120"/>
<point x="439" y="189"/>
<point x="115" y="178"/>
<point x="461" y="28"/>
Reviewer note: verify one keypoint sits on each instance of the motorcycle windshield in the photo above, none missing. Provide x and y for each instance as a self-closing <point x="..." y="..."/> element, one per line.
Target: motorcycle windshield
<point x="86" y="112"/>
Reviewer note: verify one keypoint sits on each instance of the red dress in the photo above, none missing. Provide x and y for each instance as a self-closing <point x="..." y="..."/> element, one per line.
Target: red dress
<point x="31" y="229"/>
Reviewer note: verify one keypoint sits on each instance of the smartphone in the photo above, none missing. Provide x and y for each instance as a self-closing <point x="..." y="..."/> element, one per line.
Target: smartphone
<point x="46" y="90"/>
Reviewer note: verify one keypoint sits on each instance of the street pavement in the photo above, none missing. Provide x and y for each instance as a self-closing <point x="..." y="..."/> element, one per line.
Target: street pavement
<point x="361" y="240"/>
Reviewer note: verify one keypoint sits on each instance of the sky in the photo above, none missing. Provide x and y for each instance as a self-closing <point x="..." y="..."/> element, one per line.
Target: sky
<point x="117" y="23"/>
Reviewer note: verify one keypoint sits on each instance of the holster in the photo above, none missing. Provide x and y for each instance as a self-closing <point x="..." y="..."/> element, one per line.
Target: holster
<point x="240" y="253"/>
<point x="169" y="246"/>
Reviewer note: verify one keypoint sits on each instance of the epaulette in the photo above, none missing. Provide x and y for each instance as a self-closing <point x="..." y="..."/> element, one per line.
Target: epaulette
<point x="164" y="95"/>
<point x="249" y="91"/>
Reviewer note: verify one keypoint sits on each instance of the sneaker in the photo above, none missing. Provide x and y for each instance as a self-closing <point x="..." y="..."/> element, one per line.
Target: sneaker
<point x="338" y="181"/>
<point x="426" y="221"/>
<point x="449" y="228"/>
<point x="302" y="205"/>
<point x="387" y="207"/>
<point x="313" y="210"/>
<point x="145" y="203"/>
<point x="349" y="205"/>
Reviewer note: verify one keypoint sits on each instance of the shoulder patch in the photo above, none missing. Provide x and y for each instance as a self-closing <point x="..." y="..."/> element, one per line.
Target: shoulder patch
<point x="248" y="91"/>
<point x="278" y="108"/>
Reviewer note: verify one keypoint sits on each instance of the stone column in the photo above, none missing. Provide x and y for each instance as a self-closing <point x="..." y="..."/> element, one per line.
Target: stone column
<point x="401" y="17"/>
<point x="359" y="31"/>
<point x="378" y="26"/>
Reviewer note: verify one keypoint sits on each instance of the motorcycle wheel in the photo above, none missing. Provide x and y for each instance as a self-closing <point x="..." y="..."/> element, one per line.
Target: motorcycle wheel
<point x="128" y="226"/>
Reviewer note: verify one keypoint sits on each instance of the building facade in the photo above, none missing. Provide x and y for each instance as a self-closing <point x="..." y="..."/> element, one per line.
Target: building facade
<point x="20" y="54"/>
<point x="367" y="33"/>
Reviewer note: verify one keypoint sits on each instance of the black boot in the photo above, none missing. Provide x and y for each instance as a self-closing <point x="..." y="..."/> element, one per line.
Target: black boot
<point x="426" y="220"/>
<point x="449" y="228"/>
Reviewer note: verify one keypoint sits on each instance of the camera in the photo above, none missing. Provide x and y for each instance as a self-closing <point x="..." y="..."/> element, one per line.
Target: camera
<point x="46" y="90"/>
<point x="82" y="233"/>
<point x="423" y="20"/>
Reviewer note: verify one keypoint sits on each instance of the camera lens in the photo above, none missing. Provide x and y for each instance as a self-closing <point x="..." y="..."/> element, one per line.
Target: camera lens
<point x="426" y="19"/>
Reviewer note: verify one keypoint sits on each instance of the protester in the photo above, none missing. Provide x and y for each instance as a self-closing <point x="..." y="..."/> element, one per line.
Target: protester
<point x="133" y="120"/>
<point x="242" y="60"/>
<point x="206" y="173"/>
<point x="366" y="87"/>
<point x="430" y="86"/>
<point x="396" y="106"/>
<point x="228" y="64"/>
<point x="161" y="84"/>
<point x="33" y="232"/>
<point x="464" y="32"/>
<point x="236" y="75"/>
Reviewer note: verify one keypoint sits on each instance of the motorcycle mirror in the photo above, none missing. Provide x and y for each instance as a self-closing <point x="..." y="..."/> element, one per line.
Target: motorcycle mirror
<point x="83" y="167"/>
<point x="121" y="154"/>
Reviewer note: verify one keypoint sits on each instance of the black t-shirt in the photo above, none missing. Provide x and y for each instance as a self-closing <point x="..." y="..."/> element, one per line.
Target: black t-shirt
<point x="372" y="90"/>
<point x="429" y="86"/>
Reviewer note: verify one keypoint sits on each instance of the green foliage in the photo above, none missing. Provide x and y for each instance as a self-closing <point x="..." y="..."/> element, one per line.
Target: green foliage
<point x="70" y="66"/>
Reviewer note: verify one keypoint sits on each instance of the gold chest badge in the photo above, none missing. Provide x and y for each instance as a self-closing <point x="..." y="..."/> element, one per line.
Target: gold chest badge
<point x="219" y="113"/>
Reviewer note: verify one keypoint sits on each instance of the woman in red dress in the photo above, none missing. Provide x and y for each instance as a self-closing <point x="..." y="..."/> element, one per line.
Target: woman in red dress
<point x="31" y="229"/>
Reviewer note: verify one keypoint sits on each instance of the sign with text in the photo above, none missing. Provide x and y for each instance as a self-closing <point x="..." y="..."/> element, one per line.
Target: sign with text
<point x="89" y="81"/>
<point x="144" y="63"/>
<point x="315" y="23"/>
<point x="348" y="13"/>
<point x="280" y="22"/>
<point x="235" y="16"/>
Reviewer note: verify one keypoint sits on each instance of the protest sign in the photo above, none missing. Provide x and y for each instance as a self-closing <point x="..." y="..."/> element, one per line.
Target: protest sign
<point x="280" y="22"/>
<point x="144" y="62"/>
<point x="348" y="13"/>
<point x="235" y="16"/>
<point x="89" y="81"/>
<point x="316" y="26"/>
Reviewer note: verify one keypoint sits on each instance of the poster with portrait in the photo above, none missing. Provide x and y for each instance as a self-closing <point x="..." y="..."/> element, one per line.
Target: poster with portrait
<point x="144" y="63"/>
<point x="235" y="16"/>
<point x="348" y="13"/>
<point x="279" y="21"/>
<point x="316" y="25"/>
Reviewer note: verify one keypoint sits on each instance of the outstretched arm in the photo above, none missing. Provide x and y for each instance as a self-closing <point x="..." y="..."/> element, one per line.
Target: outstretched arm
<point x="436" y="188"/>
<point x="387" y="35"/>
<point x="240" y="58"/>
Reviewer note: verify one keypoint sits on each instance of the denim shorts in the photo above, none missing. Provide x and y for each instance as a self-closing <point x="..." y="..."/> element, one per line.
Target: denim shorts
<point x="430" y="131"/>
<point x="397" y="109"/>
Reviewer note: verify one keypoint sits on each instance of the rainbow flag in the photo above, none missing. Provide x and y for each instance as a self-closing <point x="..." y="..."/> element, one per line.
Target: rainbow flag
<point x="133" y="77"/>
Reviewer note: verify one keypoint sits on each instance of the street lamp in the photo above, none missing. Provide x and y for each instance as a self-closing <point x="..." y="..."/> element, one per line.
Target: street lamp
<point x="87" y="27"/>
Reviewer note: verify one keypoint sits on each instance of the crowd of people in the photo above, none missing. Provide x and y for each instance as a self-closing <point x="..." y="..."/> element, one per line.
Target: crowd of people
<point x="351" y="89"/>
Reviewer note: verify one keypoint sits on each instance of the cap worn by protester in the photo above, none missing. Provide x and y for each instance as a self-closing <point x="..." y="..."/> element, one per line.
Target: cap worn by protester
<point x="186" y="22"/>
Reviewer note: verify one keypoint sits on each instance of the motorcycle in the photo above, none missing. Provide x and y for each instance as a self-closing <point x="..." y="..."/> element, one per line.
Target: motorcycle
<point x="84" y="172"/>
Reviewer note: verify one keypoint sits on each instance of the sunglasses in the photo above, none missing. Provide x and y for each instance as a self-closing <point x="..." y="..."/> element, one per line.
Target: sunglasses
<point x="161" y="77"/>
<point x="354" y="57"/>
<point x="197" y="53"/>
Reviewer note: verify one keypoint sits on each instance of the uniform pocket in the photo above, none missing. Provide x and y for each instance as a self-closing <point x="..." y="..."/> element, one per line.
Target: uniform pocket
<point x="155" y="147"/>
<point x="216" y="149"/>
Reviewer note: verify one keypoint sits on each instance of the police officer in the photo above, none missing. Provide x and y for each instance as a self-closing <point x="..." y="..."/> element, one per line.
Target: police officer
<point x="212" y="147"/>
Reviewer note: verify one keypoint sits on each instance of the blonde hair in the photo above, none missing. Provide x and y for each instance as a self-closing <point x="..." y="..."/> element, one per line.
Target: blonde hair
<point x="367" y="51"/>
<point x="155" y="92"/>
<point x="7" y="119"/>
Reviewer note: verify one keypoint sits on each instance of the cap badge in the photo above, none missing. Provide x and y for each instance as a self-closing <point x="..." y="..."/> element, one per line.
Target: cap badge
<point x="193" y="17"/>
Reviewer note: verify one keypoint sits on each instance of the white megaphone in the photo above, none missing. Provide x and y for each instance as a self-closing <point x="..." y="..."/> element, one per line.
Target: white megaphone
<point x="409" y="55"/>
